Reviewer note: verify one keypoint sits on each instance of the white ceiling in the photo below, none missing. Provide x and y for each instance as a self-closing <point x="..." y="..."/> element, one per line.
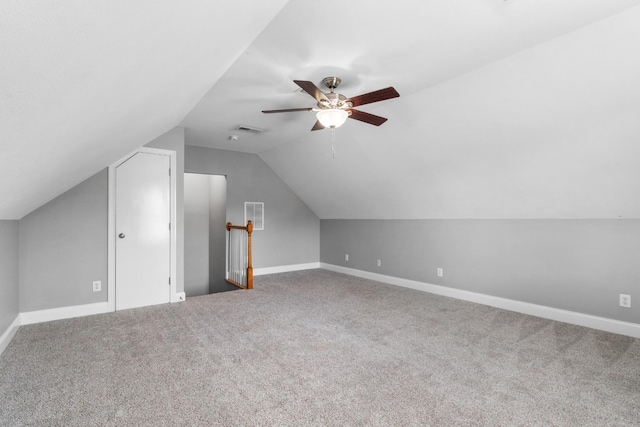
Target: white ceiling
<point x="83" y="83"/>
<point x="508" y="109"/>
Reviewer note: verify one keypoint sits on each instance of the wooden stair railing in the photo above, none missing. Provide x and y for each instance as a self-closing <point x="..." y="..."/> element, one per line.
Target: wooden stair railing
<point x="239" y="263"/>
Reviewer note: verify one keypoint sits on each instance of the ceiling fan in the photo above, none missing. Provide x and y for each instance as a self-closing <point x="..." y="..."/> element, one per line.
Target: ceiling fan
<point x="333" y="108"/>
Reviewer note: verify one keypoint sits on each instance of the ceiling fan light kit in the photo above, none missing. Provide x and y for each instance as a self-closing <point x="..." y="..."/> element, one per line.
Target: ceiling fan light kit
<point x="333" y="109"/>
<point x="332" y="118"/>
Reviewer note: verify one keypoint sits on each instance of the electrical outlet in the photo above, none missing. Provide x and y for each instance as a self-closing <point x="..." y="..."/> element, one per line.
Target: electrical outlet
<point x="97" y="286"/>
<point x="625" y="300"/>
<point x="439" y="272"/>
<point x="379" y="263"/>
<point x="346" y="257"/>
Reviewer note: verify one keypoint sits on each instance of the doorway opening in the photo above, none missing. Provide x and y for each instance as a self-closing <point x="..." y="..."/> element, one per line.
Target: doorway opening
<point x="205" y="218"/>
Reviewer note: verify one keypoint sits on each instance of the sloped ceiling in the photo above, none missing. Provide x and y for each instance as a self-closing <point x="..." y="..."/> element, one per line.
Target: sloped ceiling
<point x="508" y="109"/>
<point x="82" y="83"/>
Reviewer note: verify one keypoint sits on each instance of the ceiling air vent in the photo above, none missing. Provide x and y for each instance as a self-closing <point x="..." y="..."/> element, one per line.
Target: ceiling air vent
<point x="249" y="129"/>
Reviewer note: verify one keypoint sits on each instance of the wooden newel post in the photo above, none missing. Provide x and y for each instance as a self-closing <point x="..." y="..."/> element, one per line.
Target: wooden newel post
<point x="249" y="259"/>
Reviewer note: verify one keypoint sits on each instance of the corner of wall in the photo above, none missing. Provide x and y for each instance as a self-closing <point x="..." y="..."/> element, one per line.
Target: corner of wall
<point x="9" y="280"/>
<point x="8" y="335"/>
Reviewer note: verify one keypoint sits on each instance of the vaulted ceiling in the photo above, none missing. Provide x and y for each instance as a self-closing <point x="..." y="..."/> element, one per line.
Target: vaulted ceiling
<point x="508" y="109"/>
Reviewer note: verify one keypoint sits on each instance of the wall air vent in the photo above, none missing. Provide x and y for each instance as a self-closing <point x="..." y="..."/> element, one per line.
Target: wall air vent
<point x="254" y="211"/>
<point x="249" y="129"/>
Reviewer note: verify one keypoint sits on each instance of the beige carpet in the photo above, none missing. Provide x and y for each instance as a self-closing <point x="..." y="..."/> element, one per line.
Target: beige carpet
<point x="318" y="348"/>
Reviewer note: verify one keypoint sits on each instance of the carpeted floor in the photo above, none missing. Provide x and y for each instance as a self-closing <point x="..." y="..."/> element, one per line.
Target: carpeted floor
<point x="318" y="348"/>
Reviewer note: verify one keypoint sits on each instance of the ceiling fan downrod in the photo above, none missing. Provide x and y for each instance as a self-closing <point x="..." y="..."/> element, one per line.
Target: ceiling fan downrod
<point x="331" y="82"/>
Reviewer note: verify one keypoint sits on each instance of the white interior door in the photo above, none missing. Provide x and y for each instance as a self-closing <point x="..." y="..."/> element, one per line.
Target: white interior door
<point x="142" y="227"/>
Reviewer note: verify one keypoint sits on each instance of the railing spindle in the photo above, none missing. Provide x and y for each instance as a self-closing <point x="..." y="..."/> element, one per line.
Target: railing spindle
<point x="239" y="262"/>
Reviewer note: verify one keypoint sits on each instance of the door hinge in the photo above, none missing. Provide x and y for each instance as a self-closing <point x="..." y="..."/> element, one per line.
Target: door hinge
<point x="169" y="280"/>
<point x="169" y="226"/>
<point x="169" y="172"/>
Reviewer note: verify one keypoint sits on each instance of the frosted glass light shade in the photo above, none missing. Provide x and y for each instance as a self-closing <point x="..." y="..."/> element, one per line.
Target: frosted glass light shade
<point x="332" y="118"/>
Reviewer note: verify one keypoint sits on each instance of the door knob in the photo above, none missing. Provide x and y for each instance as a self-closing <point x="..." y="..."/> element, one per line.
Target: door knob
<point x="121" y="235"/>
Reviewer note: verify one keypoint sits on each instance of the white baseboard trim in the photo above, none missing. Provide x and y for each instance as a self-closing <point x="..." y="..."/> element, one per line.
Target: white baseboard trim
<point x="575" y="318"/>
<point x="29" y="317"/>
<point x="285" y="268"/>
<point x="178" y="297"/>
<point x="7" y="336"/>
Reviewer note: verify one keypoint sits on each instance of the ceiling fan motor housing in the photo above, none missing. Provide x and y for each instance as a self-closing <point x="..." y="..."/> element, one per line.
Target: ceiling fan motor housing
<point x="331" y="82"/>
<point x="334" y="101"/>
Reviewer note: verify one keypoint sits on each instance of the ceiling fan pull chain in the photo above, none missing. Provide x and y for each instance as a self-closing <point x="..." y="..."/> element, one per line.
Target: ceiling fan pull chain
<point x="333" y="142"/>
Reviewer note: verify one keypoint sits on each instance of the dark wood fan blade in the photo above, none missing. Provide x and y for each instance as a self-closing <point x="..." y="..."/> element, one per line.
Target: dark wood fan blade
<point x="367" y="118"/>
<point x="311" y="89"/>
<point x="317" y="126"/>
<point x="287" y="110"/>
<point x="378" y="95"/>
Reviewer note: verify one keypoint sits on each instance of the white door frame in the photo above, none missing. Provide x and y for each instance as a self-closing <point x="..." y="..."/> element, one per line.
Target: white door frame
<point x="111" y="243"/>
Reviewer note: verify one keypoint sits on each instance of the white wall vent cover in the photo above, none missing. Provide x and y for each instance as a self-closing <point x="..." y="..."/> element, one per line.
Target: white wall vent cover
<point x="254" y="212"/>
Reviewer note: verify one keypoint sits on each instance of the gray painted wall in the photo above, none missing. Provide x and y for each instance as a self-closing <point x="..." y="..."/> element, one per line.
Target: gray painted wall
<point x="196" y="234"/>
<point x="292" y="230"/>
<point x="204" y="233"/>
<point x="63" y="248"/>
<point x="218" y="234"/>
<point x="576" y="265"/>
<point x="9" y="288"/>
